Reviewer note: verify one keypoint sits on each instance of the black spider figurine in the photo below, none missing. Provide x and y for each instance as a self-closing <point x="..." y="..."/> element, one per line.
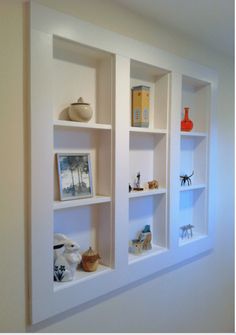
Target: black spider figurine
<point x="186" y="179"/>
<point x="187" y="231"/>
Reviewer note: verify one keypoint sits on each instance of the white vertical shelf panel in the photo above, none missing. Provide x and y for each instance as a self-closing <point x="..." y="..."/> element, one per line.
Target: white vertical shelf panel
<point x="174" y="161"/>
<point x="211" y="153"/>
<point x="41" y="171"/>
<point x="121" y="156"/>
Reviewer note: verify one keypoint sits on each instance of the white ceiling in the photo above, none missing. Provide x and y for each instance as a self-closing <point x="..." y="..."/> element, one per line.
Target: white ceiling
<point x="210" y="22"/>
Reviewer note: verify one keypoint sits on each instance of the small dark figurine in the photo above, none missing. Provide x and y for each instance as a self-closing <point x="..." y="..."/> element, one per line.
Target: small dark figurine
<point x="186" y="179"/>
<point x="137" y="183"/>
<point x="187" y="231"/>
<point x="138" y="180"/>
<point x="130" y="188"/>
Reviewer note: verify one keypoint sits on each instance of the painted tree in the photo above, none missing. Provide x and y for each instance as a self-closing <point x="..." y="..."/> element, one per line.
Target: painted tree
<point x="82" y="167"/>
<point x="69" y="163"/>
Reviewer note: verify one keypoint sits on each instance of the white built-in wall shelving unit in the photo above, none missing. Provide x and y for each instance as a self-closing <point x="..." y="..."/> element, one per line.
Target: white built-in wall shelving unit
<point x="71" y="58"/>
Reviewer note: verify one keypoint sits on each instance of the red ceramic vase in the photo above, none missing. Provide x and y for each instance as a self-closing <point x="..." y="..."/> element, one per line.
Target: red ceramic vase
<point x="186" y="123"/>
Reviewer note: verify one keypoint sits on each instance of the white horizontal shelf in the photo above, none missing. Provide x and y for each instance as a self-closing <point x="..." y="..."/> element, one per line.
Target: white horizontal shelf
<point x="74" y="124"/>
<point x="148" y="253"/>
<point x="193" y="133"/>
<point x="196" y="237"/>
<point x="192" y="187"/>
<point x="136" y="194"/>
<point x="80" y="202"/>
<point x="147" y="130"/>
<point x="80" y="276"/>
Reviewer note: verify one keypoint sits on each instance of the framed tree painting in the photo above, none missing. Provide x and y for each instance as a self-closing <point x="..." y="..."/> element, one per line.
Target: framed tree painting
<point x="75" y="176"/>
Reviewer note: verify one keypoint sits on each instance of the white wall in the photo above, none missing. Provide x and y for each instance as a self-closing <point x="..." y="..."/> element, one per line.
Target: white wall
<point x="196" y="297"/>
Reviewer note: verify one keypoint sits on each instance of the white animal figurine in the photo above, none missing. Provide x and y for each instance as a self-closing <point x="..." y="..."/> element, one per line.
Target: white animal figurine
<point x="66" y="258"/>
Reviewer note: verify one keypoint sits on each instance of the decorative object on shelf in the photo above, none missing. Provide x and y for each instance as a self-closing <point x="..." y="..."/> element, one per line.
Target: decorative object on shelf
<point x="153" y="184"/>
<point x="187" y="231"/>
<point x="140" y="106"/>
<point x="142" y="243"/>
<point x="90" y="260"/>
<point x="66" y="258"/>
<point x="186" y="179"/>
<point x="130" y="188"/>
<point x="186" y="123"/>
<point x="135" y="247"/>
<point x="137" y="183"/>
<point x="75" y="177"/>
<point x="80" y="111"/>
<point x="146" y="238"/>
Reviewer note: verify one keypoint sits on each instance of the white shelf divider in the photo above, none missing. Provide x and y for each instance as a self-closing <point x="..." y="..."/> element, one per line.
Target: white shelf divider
<point x="145" y="193"/>
<point x="192" y="187"/>
<point x="81" y="276"/>
<point x="195" y="238"/>
<point x="81" y="202"/>
<point x="193" y="134"/>
<point x="147" y="130"/>
<point x="74" y="124"/>
<point x="156" y="250"/>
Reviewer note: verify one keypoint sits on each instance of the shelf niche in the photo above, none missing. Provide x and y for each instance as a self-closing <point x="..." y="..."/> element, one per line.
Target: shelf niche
<point x="98" y="144"/>
<point x="150" y="210"/>
<point x="88" y="226"/>
<point x="193" y="157"/>
<point x="193" y="211"/>
<point x="196" y="96"/>
<point x="158" y="81"/>
<point x="148" y="156"/>
<point x="81" y="71"/>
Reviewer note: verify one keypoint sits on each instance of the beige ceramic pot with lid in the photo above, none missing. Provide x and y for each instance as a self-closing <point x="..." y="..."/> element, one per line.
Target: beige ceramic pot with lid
<point x="90" y="260"/>
<point x="80" y="111"/>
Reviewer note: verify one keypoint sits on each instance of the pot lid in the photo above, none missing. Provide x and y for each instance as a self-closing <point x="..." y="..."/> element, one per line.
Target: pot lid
<point x="90" y="252"/>
<point x="80" y="101"/>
